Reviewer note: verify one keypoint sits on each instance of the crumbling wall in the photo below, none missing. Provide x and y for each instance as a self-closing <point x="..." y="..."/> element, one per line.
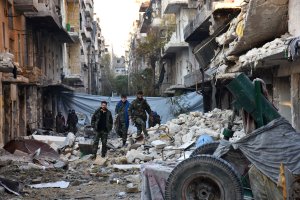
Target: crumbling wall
<point x="33" y="119"/>
<point x="282" y="96"/>
<point x="294" y="16"/>
<point x="295" y="100"/>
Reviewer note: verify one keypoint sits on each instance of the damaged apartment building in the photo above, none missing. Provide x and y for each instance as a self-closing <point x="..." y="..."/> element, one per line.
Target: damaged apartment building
<point x="35" y="37"/>
<point x="216" y="40"/>
<point x="245" y="36"/>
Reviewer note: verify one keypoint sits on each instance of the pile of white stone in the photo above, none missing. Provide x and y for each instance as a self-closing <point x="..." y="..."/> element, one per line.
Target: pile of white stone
<point x="6" y="60"/>
<point x="270" y="48"/>
<point x="169" y="141"/>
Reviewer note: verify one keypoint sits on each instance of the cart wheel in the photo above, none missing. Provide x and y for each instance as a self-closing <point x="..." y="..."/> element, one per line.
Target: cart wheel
<point x="208" y="148"/>
<point x="203" y="177"/>
<point x="235" y="157"/>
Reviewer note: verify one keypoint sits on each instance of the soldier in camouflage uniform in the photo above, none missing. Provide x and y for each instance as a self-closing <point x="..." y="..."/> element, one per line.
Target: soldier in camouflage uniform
<point x="137" y="112"/>
<point x="122" y="119"/>
<point x="102" y="123"/>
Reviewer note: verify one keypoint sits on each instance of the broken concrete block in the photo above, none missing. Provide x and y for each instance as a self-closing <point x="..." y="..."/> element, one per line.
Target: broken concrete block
<point x="186" y="145"/>
<point x="121" y="195"/>
<point x="174" y="128"/>
<point x="70" y="139"/>
<point x="134" y="154"/>
<point x="101" y="161"/>
<point x="54" y="146"/>
<point x="148" y="158"/>
<point x="188" y="137"/>
<point x="134" y="146"/>
<point x="36" y="180"/>
<point x="132" y="188"/>
<point x="158" y="144"/>
<point x="127" y="167"/>
<point x="121" y="160"/>
<point x="68" y="155"/>
<point x="133" y="178"/>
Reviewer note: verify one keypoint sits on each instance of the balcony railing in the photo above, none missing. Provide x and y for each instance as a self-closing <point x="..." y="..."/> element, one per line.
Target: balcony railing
<point x="173" y="6"/>
<point x="175" y="44"/>
<point x="26" y="5"/>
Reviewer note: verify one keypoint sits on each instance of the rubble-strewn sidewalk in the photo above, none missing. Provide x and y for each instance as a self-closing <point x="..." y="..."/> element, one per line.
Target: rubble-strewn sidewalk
<point x="117" y="175"/>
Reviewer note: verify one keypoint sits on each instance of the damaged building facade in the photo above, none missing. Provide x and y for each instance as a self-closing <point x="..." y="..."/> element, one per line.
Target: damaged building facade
<point x="214" y="41"/>
<point x="34" y="60"/>
<point x="231" y="37"/>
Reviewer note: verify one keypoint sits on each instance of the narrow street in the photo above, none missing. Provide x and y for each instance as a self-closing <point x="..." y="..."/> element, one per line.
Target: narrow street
<point x="149" y="99"/>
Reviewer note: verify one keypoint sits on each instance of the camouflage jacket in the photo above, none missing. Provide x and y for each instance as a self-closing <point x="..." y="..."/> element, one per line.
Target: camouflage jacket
<point x="138" y="109"/>
<point x="96" y="118"/>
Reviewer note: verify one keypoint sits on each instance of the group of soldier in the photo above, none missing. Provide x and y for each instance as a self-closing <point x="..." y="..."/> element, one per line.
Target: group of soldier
<point x="60" y="123"/>
<point x="126" y="112"/>
<point x="102" y="121"/>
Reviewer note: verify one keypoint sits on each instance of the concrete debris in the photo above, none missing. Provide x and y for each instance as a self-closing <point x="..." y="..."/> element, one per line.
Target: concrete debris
<point x="158" y="144"/>
<point x="101" y="161"/>
<point x="132" y="188"/>
<point x="121" y="195"/>
<point x="58" y="184"/>
<point x="70" y="139"/>
<point x="126" y="167"/>
<point x="133" y="178"/>
<point x="133" y="154"/>
<point x="255" y="54"/>
<point x="6" y="62"/>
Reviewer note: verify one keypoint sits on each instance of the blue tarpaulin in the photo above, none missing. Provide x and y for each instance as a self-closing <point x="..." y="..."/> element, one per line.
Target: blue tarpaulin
<point x="166" y="107"/>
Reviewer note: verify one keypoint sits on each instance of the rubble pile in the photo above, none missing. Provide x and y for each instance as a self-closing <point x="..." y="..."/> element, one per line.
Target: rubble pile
<point x="6" y="61"/>
<point x="169" y="141"/>
<point x="172" y="141"/>
<point x="268" y="49"/>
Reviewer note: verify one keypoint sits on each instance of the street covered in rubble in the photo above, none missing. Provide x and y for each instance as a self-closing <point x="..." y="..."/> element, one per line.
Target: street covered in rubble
<point x="150" y="99"/>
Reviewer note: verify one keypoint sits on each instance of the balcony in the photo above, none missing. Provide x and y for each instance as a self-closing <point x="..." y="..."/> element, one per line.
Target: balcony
<point x="195" y="78"/>
<point x="88" y="11"/>
<point x="89" y="25"/>
<point x="48" y="17"/>
<point x="175" y="45"/>
<point x="198" y="28"/>
<point x="73" y="80"/>
<point x="26" y="5"/>
<point x="88" y="3"/>
<point x="173" y="6"/>
<point x="86" y="35"/>
<point x="74" y="34"/>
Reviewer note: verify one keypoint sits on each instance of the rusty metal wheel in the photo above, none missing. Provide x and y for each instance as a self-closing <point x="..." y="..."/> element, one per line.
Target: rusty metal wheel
<point x="203" y="177"/>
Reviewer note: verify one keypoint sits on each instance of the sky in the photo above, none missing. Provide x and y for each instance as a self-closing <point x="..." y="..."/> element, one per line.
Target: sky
<point x="116" y="19"/>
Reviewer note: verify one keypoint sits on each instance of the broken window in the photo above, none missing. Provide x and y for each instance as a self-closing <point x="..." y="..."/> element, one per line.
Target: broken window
<point x="10" y="18"/>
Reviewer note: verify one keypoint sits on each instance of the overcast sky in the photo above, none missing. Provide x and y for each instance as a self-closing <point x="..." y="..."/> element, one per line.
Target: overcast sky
<point x="116" y="19"/>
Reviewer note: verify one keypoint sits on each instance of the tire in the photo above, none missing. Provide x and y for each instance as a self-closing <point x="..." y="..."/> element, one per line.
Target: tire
<point x="235" y="157"/>
<point x="203" y="177"/>
<point x="208" y="148"/>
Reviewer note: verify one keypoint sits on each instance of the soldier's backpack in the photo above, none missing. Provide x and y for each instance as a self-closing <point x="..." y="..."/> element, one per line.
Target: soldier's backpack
<point x="154" y="119"/>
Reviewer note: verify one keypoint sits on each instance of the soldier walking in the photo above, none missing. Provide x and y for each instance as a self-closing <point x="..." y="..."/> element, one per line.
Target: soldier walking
<point x="122" y="118"/>
<point x="60" y="123"/>
<point x="72" y="121"/>
<point x="102" y="123"/>
<point x="137" y="112"/>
